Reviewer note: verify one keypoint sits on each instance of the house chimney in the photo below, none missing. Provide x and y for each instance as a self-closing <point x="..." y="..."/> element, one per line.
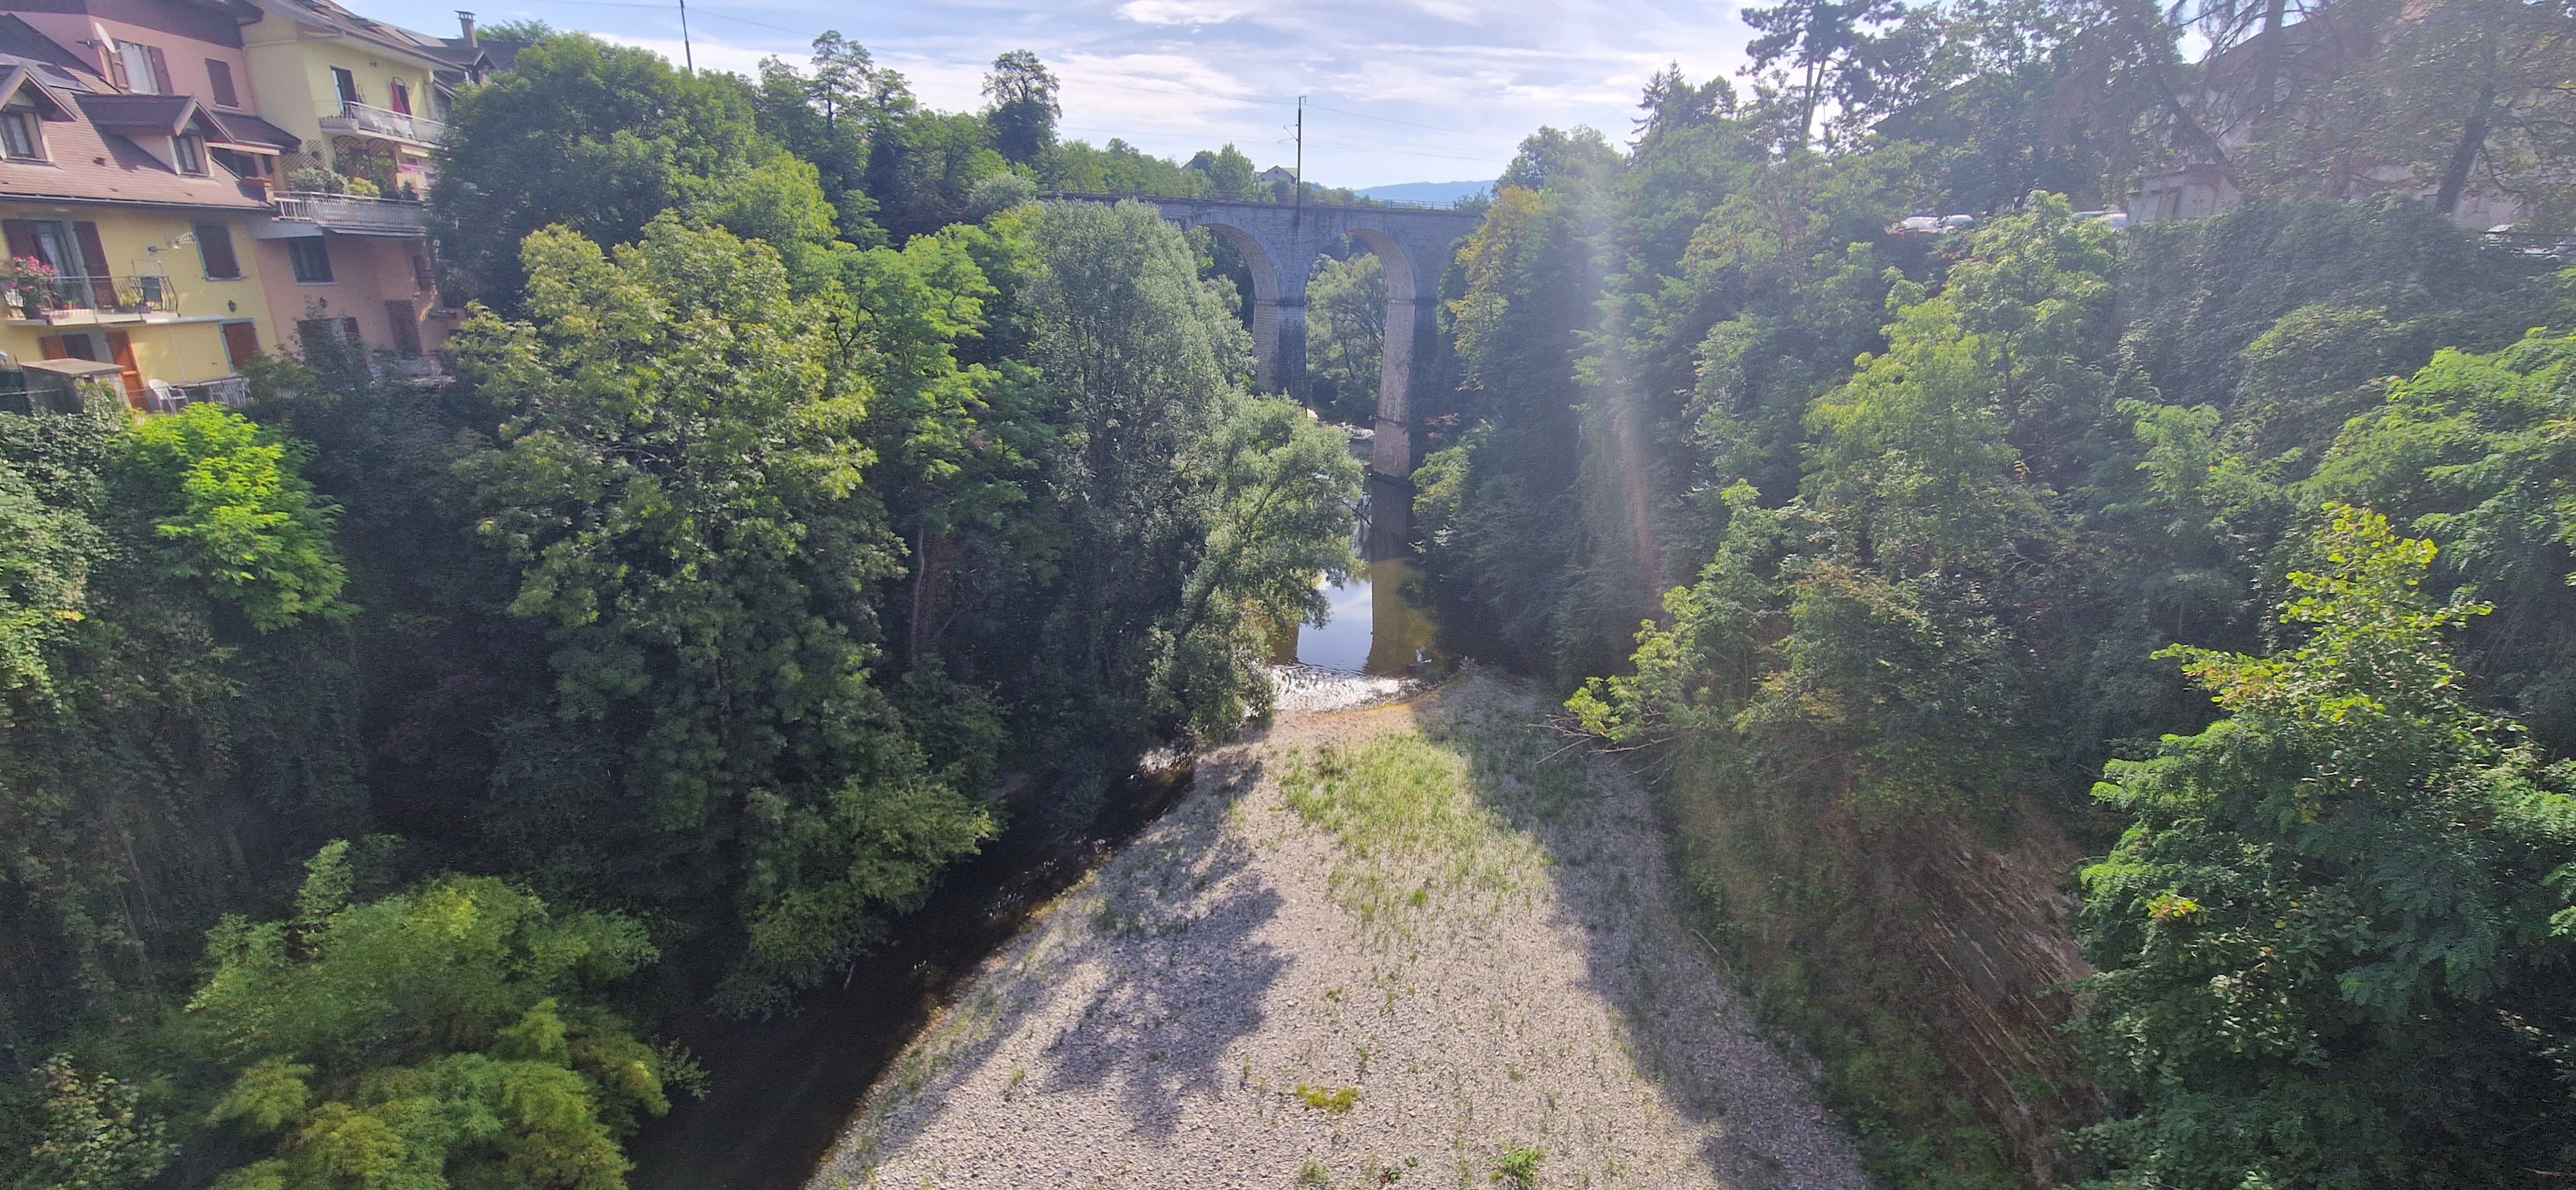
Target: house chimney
<point x="465" y="20"/>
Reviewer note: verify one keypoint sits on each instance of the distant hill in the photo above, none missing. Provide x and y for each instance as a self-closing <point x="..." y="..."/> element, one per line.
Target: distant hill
<point x="1428" y="191"/>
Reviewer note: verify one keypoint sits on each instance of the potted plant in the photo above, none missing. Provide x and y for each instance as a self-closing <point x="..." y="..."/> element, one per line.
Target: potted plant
<point x="28" y="286"/>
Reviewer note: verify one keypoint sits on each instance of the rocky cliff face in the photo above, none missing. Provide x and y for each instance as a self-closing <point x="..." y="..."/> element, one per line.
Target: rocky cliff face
<point x="1990" y="926"/>
<point x="1927" y="960"/>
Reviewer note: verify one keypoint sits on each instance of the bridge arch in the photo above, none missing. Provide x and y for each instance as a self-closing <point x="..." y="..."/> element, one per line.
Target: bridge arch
<point x="1411" y="323"/>
<point x="1279" y="243"/>
<point x="1266" y="318"/>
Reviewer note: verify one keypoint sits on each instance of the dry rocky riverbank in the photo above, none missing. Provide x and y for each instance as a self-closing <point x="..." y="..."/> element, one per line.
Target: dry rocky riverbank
<point x="1418" y="944"/>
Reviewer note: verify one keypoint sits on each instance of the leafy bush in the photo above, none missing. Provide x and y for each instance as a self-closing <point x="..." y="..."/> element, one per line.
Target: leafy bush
<point x="238" y="515"/>
<point x="2337" y="945"/>
<point x="436" y="1036"/>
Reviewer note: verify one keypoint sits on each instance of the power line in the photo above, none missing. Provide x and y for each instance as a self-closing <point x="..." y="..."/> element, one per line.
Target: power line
<point x="703" y="11"/>
<point x="1186" y="93"/>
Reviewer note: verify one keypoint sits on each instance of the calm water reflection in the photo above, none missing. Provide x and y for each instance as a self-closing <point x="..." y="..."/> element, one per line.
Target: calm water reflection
<point x="1374" y="628"/>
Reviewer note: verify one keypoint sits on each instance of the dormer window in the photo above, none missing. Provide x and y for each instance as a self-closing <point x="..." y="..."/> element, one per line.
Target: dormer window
<point x="22" y="135"/>
<point x="189" y="154"/>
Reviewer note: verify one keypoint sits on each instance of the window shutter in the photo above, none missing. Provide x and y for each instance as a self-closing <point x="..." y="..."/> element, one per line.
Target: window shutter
<point x="115" y="55"/>
<point x="160" y="70"/>
<point x="405" y="321"/>
<point x="93" y="254"/>
<point x="241" y="343"/>
<point x="22" y="240"/>
<point x="215" y="247"/>
<point x="52" y="347"/>
<point x="219" y="79"/>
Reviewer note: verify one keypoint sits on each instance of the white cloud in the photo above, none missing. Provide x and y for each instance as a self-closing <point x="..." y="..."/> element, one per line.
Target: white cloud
<point x="709" y="55"/>
<point x="1185" y="12"/>
<point x="1400" y="90"/>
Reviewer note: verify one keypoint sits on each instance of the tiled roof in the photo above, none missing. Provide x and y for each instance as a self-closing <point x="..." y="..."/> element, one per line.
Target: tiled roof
<point x="18" y="39"/>
<point x="161" y="115"/>
<point x="340" y="20"/>
<point x="243" y="129"/>
<point x="89" y="164"/>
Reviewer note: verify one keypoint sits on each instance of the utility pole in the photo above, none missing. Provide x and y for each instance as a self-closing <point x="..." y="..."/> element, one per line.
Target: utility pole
<point x="688" y="55"/>
<point x="1301" y="151"/>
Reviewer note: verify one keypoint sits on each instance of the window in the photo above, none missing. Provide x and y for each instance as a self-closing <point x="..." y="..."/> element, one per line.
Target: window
<point x="405" y="321"/>
<point x="140" y="68"/>
<point x="398" y="95"/>
<point x="189" y="154"/>
<point x="219" y="79"/>
<point x="348" y="85"/>
<point x="246" y="166"/>
<point x="316" y="333"/>
<point x="215" y="248"/>
<point x="22" y="135"/>
<point x="82" y="345"/>
<point x="70" y="248"/>
<point x="312" y="259"/>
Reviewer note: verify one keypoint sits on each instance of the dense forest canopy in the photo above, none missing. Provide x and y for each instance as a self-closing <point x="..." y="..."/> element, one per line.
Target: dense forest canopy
<point x="385" y="761"/>
<point x="799" y="476"/>
<point x="1927" y="527"/>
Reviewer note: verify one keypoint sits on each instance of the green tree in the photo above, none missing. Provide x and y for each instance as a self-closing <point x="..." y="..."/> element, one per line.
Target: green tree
<point x="599" y="138"/>
<point x="1229" y="172"/>
<point x="1830" y="49"/>
<point x="1024" y="108"/>
<point x="680" y="478"/>
<point x="2479" y="450"/>
<point x="1346" y="336"/>
<point x="94" y="1136"/>
<point x="2335" y="944"/>
<point x="44" y="587"/>
<point x="238" y="516"/>
<point x="1280" y="489"/>
<point x="444" y="1035"/>
<point x="1168" y="480"/>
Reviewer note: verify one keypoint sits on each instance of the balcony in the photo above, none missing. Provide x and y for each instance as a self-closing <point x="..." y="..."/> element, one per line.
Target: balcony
<point x="376" y="121"/>
<point x="353" y="215"/>
<point x="231" y="392"/>
<point x="67" y="301"/>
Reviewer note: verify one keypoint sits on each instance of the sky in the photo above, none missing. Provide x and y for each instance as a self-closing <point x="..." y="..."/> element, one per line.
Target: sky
<point x="1397" y="90"/>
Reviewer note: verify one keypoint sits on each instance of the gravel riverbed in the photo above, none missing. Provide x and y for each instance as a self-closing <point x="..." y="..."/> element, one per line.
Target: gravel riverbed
<point x="1421" y="944"/>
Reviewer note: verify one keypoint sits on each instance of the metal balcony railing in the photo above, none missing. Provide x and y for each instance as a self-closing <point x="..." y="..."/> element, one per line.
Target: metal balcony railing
<point x="161" y="396"/>
<point x="30" y="298"/>
<point x="358" y="117"/>
<point x="347" y="211"/>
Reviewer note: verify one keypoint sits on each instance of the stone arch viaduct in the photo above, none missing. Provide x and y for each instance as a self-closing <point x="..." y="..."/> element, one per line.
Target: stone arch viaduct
<point x="1280" y="242"/>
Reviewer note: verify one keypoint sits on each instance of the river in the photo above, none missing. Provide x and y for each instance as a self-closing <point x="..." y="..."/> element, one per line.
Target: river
<point x="780" y="1090"/>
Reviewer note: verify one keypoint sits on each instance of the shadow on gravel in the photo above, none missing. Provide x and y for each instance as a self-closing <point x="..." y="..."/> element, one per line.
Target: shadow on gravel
<point x="1614" y="885"/>
<point x="1159" y="1023"/>
<point x="782" y="1088"/>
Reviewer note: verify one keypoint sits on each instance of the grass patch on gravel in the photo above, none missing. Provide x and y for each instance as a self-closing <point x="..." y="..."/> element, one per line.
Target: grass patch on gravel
<point x="1405" y="813"/>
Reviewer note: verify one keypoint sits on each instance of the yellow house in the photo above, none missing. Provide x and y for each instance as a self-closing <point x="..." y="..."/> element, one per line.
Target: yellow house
<point x="129" y="242"/>
<point x="362" y="94"/>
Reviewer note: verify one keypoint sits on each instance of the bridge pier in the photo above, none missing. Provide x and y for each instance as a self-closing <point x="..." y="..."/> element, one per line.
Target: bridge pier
<point x="1412" y="335"/>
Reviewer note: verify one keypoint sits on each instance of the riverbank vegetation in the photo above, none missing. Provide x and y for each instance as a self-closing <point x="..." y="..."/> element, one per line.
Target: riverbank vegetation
<point x="2232" y="553"/>
<point x="384" y="761"/>
<point x="2111" y="691"/>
